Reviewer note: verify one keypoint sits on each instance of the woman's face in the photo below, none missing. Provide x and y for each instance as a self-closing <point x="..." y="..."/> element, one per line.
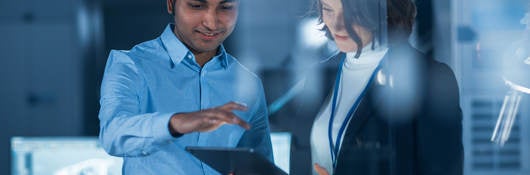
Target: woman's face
<point x="332" y="15"/>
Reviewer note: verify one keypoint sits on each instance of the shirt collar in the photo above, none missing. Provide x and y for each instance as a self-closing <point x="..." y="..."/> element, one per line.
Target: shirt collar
<point x="178" y="51"/>
<point x="223" y="56"/>
<point x="368" y="56"/>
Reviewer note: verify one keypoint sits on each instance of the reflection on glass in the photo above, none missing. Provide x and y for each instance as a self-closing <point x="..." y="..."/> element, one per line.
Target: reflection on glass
<point x="506" y="117"/>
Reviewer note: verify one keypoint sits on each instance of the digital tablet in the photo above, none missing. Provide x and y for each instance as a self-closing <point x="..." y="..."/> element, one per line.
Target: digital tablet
<point x="240" y="161"/>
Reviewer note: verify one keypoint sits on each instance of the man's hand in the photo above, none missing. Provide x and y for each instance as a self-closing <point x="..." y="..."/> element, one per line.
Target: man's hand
<point x="207" y="120"/>
<point x="320" y="170"/>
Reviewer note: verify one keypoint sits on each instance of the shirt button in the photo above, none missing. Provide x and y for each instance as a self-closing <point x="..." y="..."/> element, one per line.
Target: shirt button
<point x="145" y="153"/>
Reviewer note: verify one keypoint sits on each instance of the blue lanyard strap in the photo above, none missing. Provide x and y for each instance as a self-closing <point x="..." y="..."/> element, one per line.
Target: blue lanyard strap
<point x="334" y="149"/>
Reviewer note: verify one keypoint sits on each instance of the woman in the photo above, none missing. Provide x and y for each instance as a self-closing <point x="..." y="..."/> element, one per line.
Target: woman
<point x="391" y="109"/>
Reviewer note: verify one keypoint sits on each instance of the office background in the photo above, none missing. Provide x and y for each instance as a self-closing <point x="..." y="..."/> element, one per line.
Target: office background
<point x="53" y="54"/>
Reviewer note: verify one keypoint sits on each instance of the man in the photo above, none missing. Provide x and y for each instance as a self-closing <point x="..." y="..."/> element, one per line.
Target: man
<point x="180" y="90"/>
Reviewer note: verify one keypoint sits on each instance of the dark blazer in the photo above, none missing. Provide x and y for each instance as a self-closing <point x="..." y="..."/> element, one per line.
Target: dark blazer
<point x="411" y="123"/>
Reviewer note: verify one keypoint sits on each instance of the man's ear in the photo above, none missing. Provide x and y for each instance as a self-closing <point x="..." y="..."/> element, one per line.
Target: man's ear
<point x="170" y="6"/>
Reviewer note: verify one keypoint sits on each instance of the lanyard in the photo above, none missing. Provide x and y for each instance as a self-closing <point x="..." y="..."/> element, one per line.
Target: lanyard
<point x="334" y="149"/>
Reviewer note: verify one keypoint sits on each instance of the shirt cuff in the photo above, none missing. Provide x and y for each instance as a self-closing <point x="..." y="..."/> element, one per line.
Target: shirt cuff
<point x="160" y="126"/>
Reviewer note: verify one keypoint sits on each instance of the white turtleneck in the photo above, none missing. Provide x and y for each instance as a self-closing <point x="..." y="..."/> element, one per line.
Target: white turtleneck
<point x="355" y="76"/>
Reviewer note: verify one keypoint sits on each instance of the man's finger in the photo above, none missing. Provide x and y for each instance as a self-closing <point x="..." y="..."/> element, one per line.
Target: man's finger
<point x="231" y="118"/>
<point x="234" y="106"/>
<point x="242" y="123"/>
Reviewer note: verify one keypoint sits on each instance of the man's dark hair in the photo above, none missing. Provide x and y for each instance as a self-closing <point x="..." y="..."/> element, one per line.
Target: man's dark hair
<point x="399" y="17"/>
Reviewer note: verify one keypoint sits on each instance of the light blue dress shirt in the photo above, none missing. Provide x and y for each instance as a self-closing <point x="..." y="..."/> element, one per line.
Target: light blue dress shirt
<point x="143" y="87"/>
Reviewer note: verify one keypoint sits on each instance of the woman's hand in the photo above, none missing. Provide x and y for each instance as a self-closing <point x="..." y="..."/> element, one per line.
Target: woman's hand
<point x="320" y="170"/>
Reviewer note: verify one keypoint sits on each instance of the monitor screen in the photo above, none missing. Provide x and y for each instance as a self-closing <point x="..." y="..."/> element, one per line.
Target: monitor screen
<point x="281" y="146"/>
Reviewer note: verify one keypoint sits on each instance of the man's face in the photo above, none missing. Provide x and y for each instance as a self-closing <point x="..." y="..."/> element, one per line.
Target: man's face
<point x="203" y="24"/>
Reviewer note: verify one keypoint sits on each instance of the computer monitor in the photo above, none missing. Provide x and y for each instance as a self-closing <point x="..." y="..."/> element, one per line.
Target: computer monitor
<point x="84" y="155"/>
<point x="61" y="156"/>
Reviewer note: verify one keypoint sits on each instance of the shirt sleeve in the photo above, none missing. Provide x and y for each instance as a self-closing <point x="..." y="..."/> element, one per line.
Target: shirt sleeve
<point x="124" y="130"/>
<point x="258" y="137"/>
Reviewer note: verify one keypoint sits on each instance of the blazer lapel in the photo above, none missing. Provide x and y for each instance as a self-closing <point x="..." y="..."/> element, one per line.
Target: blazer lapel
<point x="365" y="108"/>
<point x="360" y="116"/>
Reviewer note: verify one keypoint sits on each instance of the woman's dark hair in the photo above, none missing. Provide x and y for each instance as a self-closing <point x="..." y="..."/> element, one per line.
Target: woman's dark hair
<point x="399" y="17"/>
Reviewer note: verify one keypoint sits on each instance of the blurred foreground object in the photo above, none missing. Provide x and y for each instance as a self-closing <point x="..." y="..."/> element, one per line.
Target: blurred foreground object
<point x="516" y="71"/>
